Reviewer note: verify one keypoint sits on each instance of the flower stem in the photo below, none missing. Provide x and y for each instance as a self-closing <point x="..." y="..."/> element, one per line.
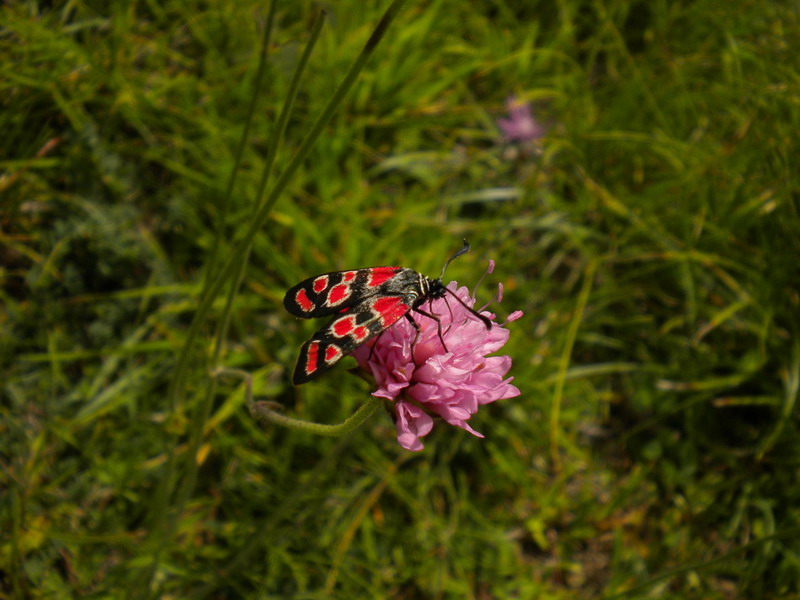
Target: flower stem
<point x="262" y="411"/>
<point x="265" y="411"/>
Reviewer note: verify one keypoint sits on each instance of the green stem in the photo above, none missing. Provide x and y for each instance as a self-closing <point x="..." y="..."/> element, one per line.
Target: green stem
<point x="251" y="111"/>
<point x="177" y="387"/>
<point x="201" y="415"/>
<point x="165" y="520"/>
<point x="163" y="524"/>
<point x="566" y="354"/>
<point x="263" y="411"/>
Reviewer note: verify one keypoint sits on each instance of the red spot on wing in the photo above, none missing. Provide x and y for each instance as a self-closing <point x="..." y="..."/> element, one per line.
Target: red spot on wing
<point x="343" y="326"/>
<point x="360" y="333"/>
<point x="348" y="276"/>
<point x="390" y="308"/>
<point x="311" y="357"/>
<point x="332" y="353"/>
<point x="378" y="275"/>
<point x="302" y="300"/>
<point x="338" y="294"/>
<point x="320" y="283"/>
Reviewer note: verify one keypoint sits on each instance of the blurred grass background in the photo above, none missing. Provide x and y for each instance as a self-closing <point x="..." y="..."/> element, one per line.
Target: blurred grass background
<point x="651" y="237"/>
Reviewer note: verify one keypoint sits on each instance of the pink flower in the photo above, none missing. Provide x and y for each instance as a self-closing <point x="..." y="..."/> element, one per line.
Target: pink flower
<point x="425" y="381"/>
<point x="520" y="126"/>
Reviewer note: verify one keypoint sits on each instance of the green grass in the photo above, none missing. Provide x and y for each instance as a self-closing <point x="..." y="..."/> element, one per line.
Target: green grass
<point x="652" y="242"/>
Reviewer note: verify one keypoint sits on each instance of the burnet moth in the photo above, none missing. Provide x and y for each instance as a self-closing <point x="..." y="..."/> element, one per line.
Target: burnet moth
<point x="365" y="302"/>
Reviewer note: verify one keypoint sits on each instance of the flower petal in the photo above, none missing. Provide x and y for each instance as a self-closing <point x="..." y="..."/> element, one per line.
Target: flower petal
<point x="411" y="423"/>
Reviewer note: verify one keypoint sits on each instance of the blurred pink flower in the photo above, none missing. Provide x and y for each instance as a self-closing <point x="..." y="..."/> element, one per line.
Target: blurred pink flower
<point x="520" y="126"/>
<point x="425" y="381"/>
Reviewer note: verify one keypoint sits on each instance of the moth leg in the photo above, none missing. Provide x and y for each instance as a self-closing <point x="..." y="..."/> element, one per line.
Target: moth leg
<point x="438" y="326"/>
<point x="451" y="316"/>
<point x="374" y="342"/>
<point x="415" y="325"/>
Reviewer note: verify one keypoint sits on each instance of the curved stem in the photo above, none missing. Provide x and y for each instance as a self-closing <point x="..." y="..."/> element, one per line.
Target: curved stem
<point x="262" y="411"/>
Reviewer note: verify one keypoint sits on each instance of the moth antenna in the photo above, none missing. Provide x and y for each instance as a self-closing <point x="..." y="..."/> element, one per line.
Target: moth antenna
<point x="484" y="318"/>
<point x="463" y="250"/>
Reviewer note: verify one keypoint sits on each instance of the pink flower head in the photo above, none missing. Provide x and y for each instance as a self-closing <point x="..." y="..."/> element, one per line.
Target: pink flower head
<point x="520" y="126"/>
<point x="424" y="380"/>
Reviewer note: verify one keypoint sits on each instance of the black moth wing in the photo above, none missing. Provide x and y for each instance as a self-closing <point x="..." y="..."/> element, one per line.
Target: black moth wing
<point x="348" y="331"/>
<point x="335" y="292"/>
